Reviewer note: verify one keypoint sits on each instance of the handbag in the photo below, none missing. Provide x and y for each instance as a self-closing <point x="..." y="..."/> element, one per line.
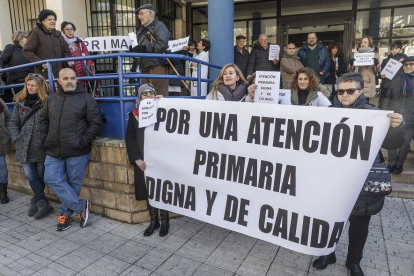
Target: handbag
<point x="378" y="181"/>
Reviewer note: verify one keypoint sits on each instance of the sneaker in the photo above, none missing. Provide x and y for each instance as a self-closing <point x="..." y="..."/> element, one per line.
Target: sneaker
<point x="63" y="223"/>
<point x="84" y="215"/>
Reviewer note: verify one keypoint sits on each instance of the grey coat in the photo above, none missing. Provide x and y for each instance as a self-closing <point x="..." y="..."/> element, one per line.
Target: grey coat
<point x="4" y="132"/>
<point x="27" y="140"/>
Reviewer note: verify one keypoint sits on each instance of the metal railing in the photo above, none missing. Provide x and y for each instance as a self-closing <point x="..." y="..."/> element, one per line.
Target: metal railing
<point x="115" y="109"/>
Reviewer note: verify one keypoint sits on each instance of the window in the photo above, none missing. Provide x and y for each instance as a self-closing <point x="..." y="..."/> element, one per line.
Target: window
<point x="291" y="7"/>
<point x="375" y="23"/>
<point x="366" y="4"/>
<point x="403" y="24"/>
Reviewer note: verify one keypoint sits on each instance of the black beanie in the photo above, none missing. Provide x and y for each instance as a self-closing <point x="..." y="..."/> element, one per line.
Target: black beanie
<point x="45" y="13"/>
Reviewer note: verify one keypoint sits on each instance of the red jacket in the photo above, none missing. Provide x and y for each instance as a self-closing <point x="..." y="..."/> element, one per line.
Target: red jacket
<point x="80" y="49"/>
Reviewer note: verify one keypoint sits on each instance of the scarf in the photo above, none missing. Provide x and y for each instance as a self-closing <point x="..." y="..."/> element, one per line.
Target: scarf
<point x="236" y="95"/>
<point x="366" y="50"/>
<point x="31" y="100"/>
<point x="71" y="42"/>
<point x="406" y="86"/>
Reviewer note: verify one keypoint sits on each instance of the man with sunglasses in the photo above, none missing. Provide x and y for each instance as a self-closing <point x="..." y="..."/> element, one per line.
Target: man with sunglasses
<point x="400" y="98"/>
<point x="351" y="95"/>
<point x="70" y="121"/>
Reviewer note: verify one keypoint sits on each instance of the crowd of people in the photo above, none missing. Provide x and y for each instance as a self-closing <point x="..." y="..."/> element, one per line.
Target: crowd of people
<point x="53" y="133"/>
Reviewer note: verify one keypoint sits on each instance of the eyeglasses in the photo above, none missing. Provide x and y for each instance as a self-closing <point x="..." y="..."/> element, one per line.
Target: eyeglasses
<point x="147" y="93"/>
<point x="69" y="29"/>
<point x="34" y="75"/>
<point x="142" y="13"/>
<point x="348" y="91"/>
<point x="408" y="64"/>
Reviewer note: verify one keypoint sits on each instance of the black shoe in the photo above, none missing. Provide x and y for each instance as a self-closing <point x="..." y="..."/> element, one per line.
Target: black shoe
<point x="63" y="223"/>
<point x="391" y="168"/>
<point x="323" y="261"/>
<point x="398" y="169"/>
<point x="154" y="224"/>
<point x="165" y="223"/>
<point x="3" y="193"/>
<point x="355" y="269"/>
<point x="33" y="207"/>
<point x="84" y="215"/>
<point x="43" y="208"/>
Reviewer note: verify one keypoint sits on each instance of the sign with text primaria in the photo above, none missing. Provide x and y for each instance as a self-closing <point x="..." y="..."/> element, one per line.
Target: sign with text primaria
<point x="107" y="43"/>
<point x="289" y="175"/>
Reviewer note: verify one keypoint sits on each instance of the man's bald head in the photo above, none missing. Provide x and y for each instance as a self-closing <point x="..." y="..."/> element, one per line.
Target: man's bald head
<point x="67" y="79"/>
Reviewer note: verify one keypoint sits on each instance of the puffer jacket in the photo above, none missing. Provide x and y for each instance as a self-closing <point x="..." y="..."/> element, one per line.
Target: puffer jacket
<point x="367" y="205"/>
<point x="159" y="46"/>
<point x="81" y="50"/>
<point x="69" y="123"/>
<point x="289" y="64"/>
<point x="4" y="132"/>
<point x="314" y="98"/>
<point x="41" y="45"/>
<point x="400" y="104"/>
<point x="259" y="60"/>
<point x="324" y="58"/>
<point x="368" y="73"/>
<point x="13" y="56"/>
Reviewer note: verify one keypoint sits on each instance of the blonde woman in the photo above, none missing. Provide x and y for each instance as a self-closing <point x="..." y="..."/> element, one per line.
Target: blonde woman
<point x="230" y="85"/>
<point x="25" y="133"/>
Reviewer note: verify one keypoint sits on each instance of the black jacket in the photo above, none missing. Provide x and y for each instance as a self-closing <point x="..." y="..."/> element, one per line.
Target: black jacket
<point x="259" y="60"/>
<point x="11" y="56"/>
<point x="241" y="60"/>
<point x="385" y="83"/>
<point x="69" y="123"/>
<point x="331" y="78"/>
<point x="372" y="204"/>
<point x="159" y="46"/>
<point x="134" y="140"/>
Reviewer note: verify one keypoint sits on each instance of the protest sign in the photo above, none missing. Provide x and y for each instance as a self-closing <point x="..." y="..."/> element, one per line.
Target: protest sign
<point x="107" y="43"/>
<point x="177" y="45"/>
<point x="147" y="112"/>
<point x="391" y="68"/>
<point x="364" y="59"/>
<point x="274" y="51"/>
<point x="133" y="39"/>
<point x="267" y="90"/>
<point x="288" y="175"/>
<point x="284" y="96"/>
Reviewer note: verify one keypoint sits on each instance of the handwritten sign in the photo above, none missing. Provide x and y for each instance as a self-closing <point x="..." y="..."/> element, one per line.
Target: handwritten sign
<point x="364" y="59"/>
<point x="274" y="51"/>
<point x="391" y="68"/>
<point x="107" y="43"/>
<point x="284" y="97"/>
<point x="267" y="90"/>
<point x="178" y="45"/>
<point x="133" y="39"/>
<point x="147" y="112"/>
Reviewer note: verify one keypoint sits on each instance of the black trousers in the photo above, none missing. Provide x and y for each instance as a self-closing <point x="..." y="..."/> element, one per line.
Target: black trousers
<point x="358" y="233"/>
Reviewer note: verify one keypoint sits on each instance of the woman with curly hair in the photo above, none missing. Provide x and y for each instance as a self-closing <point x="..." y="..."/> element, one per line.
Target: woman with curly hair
<point x="26" y="135"/>
<point x="337" y="69"/>
<point x="230" y="85"/>
<point x="305" y="89"/>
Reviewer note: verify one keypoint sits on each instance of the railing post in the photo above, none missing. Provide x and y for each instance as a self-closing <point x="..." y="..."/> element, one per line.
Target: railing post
<point x="199" y="79"/>
<point x="121" y="93"/>
<point x="50" y="76"/>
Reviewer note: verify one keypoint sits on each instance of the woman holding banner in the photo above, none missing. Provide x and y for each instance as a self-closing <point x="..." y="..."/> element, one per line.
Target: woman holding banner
<point x="351" y="95"/>
<point x="230" y="85"/>
<point x="366" y="45"/>
<point x="134" y="140"/>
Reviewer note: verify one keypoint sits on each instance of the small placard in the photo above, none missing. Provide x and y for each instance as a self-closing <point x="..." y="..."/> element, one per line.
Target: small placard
<point x="148" y="112"/>
<point x="364" y="59"/>
<point x="267" y="90"/>
<point x="391" y="68"/>
<point x="274" y="51"/>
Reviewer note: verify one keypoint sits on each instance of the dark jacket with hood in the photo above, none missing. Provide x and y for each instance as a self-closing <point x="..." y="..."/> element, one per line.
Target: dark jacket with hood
<point x="241" y="59"/>
<point x="157" y="46"/>
<point x="43" y="44"/>
<point x="372" y="204"/>
<point x="69" y="123"/>
<point x="259" y="60"/>
<point x="13" y="56"/>
<point x="324" y="58"/>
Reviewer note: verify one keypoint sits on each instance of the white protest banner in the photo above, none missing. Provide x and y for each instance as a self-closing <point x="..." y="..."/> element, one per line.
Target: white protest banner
<point x="284" y="96"/>
<point x="267" y="90"/>
<point x="147" y="112"/>
<point x="133" y="39"/>
<point x="177" y="45"/>
<point x="391" y="68"/>
<point x="274" y="51"/>
<point x="288" y="175"/>
<point x="364" y="59"/>
<point x="107" y="43"/>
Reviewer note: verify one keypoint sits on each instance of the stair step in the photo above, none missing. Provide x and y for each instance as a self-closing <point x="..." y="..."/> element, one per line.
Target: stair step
<point x="402" y="190"/>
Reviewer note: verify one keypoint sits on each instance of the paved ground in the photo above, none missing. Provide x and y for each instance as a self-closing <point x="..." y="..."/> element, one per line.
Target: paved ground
<point x="107" y="247"/>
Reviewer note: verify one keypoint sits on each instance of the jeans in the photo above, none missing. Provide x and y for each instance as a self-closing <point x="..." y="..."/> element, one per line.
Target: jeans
<point x="34" y="173"/>
<point x="358" y="234"/>
<point x="67" y="191"/>
<point x="3" y="170"/>
<point x="398" y="157"/>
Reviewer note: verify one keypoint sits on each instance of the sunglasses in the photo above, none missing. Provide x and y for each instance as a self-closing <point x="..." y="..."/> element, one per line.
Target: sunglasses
<point x="34" y="75"/>
<point x="146" y="93"/>
<point x="348" y="91"/>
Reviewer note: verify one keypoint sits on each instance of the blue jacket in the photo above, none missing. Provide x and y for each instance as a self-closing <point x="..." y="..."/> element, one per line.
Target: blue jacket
<point x="324" y="59"/>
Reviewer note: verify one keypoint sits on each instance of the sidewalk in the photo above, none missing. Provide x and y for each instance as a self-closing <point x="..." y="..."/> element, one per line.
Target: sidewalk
<point x="107" y="247"/>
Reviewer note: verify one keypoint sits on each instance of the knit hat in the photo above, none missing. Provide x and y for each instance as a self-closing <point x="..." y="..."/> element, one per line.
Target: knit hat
<point x="45" y="13"/>
<point x="145" y="6"/>
<point x="144" y="87"/>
